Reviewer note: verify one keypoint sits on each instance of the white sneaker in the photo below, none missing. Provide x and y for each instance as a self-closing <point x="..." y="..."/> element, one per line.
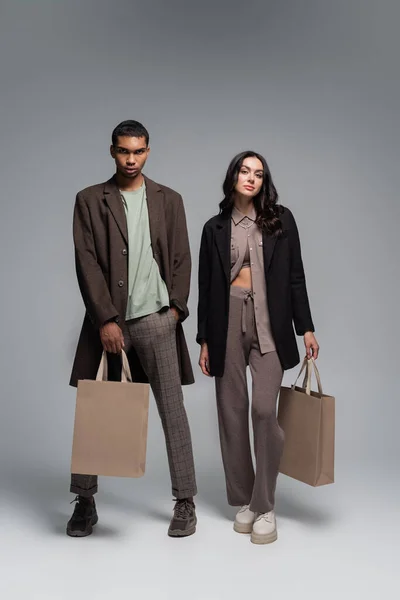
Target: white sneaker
<point x="244" y="520"/>
<point x="264" y="529"/>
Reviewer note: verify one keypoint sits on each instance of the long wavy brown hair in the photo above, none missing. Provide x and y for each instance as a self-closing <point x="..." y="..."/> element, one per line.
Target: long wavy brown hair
<point x="265" y="203"/>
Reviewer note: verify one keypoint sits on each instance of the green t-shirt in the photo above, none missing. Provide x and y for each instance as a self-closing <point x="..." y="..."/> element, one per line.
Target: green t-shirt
<point x="147" y="292"/>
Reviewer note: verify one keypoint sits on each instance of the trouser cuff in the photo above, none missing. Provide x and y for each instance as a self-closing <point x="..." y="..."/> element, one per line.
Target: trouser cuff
<point x="83" y="492"/>
<point x="181" y="494"/>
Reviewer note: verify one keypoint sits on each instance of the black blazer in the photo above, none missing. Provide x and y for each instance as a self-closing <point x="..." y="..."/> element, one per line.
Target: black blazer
<point x="286" y="289"/>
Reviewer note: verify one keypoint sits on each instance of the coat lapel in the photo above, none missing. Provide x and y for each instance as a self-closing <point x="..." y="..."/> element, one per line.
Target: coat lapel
<point x="223" y="242"/>
<point x="269" y="242"/>
<point x="155" y="208"/>
<point x="114" y="202"/>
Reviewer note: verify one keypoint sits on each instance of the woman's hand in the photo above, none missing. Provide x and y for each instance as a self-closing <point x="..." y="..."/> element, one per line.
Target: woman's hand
<point x="203" y="360"/>
<point x="311" y="344"/>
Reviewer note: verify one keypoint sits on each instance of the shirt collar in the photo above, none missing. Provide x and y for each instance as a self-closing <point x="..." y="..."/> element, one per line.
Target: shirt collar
<point x="237" y="216"/>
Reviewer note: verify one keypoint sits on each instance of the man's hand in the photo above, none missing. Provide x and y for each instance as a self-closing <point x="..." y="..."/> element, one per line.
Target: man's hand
<point x="311" y="344"/>
<point x="112" y="338"/>
<point x="175" y="313"/>
<point x="204" y="360"/>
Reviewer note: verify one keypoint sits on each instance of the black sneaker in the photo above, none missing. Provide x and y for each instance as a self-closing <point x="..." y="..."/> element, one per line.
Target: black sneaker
<point x="84" y="517"/>
<point x="183" y="523"/>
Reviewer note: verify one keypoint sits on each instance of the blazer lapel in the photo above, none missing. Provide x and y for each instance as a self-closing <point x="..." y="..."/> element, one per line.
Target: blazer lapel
<point x="114" y="202"/>
<point x="222" y="240"/>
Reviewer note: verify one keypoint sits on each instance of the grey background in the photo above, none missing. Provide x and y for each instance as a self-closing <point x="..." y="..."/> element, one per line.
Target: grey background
<point x="312" y="85"/>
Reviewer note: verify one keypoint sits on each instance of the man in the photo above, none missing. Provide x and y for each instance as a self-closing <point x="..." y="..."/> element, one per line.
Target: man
<point x="133" y="266"/>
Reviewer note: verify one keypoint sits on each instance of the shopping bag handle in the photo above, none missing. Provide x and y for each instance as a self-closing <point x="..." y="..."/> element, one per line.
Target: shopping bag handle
<point x="309" y="365"/>
<point x="102" y="373"/>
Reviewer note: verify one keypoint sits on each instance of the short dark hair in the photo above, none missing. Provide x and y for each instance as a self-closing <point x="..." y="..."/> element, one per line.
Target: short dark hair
<point x="130" y="128"/>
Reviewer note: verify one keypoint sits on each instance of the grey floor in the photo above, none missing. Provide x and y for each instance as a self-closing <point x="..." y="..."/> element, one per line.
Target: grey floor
<point x="336" y="541"/>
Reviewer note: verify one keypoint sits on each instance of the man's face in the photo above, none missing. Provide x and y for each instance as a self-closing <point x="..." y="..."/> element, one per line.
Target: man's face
<point x="130" y="155"/>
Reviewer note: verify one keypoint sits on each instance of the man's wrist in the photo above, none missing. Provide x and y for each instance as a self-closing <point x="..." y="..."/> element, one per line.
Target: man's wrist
<point x="176" y="308"/>
<point x="112" y="320"/>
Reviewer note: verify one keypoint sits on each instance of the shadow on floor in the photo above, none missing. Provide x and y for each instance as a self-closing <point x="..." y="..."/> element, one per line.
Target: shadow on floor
<point x="45" y="494"/>
<point x="294" y="508"/>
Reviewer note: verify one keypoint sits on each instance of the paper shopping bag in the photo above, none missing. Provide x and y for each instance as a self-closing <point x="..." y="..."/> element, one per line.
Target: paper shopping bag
<point x="110" y="431"/>
<point x="308" y="421"/>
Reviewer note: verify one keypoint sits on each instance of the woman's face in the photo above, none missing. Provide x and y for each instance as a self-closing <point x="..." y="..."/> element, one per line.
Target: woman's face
<point x="250" y="177"/>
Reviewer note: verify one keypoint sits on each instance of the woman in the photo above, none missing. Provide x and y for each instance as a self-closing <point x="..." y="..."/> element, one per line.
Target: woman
<point x="251" y="290"/>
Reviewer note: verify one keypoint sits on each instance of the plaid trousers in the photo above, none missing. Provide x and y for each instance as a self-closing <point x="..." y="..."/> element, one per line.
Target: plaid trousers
<point x="154" y="341"/>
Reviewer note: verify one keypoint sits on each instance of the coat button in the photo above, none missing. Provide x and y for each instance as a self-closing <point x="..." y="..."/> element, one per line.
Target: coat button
<point x="124" y="251"/>
<point x="120" y="283"/>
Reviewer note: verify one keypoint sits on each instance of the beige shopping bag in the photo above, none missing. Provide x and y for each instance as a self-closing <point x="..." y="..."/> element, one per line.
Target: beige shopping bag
<point x="110" y="432"/>
<point x="308" y="421"/>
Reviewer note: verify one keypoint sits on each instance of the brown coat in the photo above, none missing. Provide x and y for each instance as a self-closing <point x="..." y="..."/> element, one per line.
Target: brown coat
<point x="101" y="257"/>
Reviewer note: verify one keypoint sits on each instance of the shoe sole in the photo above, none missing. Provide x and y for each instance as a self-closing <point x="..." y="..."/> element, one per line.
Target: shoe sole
<point x="268" y="538"/>
<point x="89" y="531"/>
<point x="182" y="532"/>
<point x="242" y="527"/>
